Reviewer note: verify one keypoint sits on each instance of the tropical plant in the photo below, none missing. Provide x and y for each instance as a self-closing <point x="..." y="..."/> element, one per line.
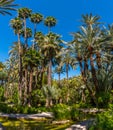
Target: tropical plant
<point x="50" y="22"/>
<point x="6" y="6"/>
<point x="36" y="18"/>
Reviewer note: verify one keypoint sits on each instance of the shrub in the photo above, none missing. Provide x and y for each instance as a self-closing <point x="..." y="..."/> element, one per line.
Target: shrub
<point x="61" y="111"/>
<point x="104" y="121"/>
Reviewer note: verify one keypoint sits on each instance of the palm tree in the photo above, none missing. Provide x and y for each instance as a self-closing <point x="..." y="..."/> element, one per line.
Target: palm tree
<point x="16" y="24"/>
<point x="50" y="48"/>
<point x="36" y="18"/>
<point x="24" y="13"/>
<point x="50" y="22"/>
<point x="87" y="43"/>
<point x="6" y="6"/>
<point x="28" y="35"/>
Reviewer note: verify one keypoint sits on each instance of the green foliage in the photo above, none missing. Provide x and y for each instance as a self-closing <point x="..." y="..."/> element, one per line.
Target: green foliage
<point x="103" y="99"/>
<point x="2" y="93"/>
<point x="38" y="98"/>
<point x="104" y="121"/>
<point x="61" y="111"/>
<point x="75" y="113"/>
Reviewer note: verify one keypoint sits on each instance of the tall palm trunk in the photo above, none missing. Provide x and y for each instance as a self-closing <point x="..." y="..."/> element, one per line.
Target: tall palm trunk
<point x="48" y="100"/>
<point x="26" y="70"/>
<point x="30" y="86"/>
<point x="67" y="75"/>
<point x="20" y="70"/>
<point x="67" y="69"/>
<point x="25" y="33"/>
<point x="49" y="73"/>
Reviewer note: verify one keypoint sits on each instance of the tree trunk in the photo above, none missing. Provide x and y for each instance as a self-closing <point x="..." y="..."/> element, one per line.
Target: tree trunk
<point x="49" y="73"/>
<point x="26" y="86"/>
<point x="30" y="87"/>
<point x="67" y="69"/>
<point x="25" y="33"/>
<point x="20" y="71"/>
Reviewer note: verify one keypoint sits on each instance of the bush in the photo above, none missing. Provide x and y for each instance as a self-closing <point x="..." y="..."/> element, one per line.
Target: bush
<point x="75" y="113"/>
<point x="61" y="111"/>
<point x="104" y="121"/>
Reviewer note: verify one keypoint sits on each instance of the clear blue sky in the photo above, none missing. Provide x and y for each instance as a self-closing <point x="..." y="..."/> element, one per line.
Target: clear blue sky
<point x="67" y="12"/>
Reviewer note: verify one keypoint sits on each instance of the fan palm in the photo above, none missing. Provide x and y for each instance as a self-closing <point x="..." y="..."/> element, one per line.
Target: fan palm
<point x="24" y="13"/>
<point x="50" y="48"/>
<point x="50" y="22"/>
<point x="36" y="18"/>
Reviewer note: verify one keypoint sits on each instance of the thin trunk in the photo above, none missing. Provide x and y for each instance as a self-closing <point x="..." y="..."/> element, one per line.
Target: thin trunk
<point x="30" y="87"/>
<point x="25" y="34"/>
<point x="26" y="86"/>
<point x="48" y="100"/>
<point x="67" y="69"/>
<point x="49" y="73"/>
<point x="20" y="70"/>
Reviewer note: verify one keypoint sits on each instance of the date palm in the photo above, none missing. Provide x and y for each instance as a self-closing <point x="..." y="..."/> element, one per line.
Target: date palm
<point x="16" y="24"/>
<point x="87" y="43"/>
<point x="6" y="6"/>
